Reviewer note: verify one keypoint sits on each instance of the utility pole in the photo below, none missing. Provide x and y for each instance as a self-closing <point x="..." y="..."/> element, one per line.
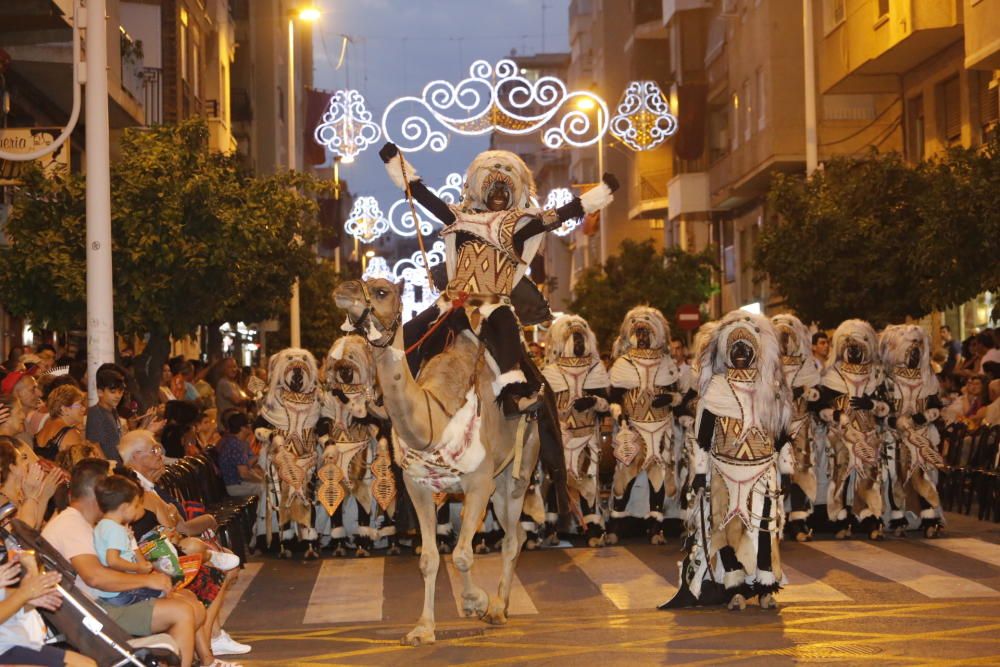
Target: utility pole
<point x="812" y="147"/>
<point x="100" y="288"/>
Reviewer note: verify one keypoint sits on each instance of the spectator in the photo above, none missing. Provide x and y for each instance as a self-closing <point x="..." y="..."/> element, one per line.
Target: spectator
<point x="71" y="533"/>
<point x="179" y="429"/>
<point x="47" y="355"/>
<point x="13" y="361"/>
<point x="166" y="382"/>
<point x="206" y="395"/>
<point x="104" y="425"/>
<point x="991" y="415"/>
<point x="239" y="469"/>
<point x="820" y="348"/>
<point x="12" y="424"/>
<point x="139" y="451"/>
<point x="67" y="407"/>
<point x="970" y="407"/>
<point x="47" y="384"/>
<point x="228" y="394"/>
<point x="953" y="348"/>
<point x="24" y="387"/>
<point x="206" y="434"/>
<point x="25" y="483"/>
<point x="121" y="501"/>
<point x="991" y="354"/>
<point x="22" y="630"/>
<point x="972" y="355"/>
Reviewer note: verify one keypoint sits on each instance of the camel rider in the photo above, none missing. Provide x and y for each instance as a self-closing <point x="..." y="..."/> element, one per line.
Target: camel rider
<point x="492" y="236"/>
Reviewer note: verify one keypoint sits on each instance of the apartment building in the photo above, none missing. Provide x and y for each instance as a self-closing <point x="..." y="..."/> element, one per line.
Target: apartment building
<point x="612" y="43"/>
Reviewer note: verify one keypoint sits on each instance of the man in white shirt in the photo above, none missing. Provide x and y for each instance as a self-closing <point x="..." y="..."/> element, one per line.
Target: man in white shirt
<point x="71" y="533"/>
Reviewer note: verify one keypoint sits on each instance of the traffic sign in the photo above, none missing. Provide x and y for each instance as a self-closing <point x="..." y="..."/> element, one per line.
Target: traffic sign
<point x="688" y="317"/>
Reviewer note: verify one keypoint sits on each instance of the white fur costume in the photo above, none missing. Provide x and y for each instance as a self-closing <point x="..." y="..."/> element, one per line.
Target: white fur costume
<point x="802" y="378"/>
<point x="912" y="389"/>
<point x="290" y="409"/>
<point x="848" y="404"/>
<point x="644" y="391"/>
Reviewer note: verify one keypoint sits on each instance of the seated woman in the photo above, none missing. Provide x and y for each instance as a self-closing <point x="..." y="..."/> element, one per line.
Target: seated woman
<point x="144" y="457"/>
<point x="206" y="434"/>
<point x="970" y="407"/>
<point x="25" y="483"/>
<point x="181" y="417"/>
<point x="67" y="406"/>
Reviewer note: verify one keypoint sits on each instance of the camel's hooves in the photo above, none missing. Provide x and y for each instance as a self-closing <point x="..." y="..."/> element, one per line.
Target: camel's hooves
<point x="418" y="637"/>
<point x="610" y="538"/>
<point x="768" y="601"/>
<point x="496" y="614"/>
<point x="737" y="603"/>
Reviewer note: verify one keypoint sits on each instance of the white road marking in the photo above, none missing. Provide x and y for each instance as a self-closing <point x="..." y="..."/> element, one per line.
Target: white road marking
<point x="347" y="591"/>
<point x="622" y="577"/>
<point x="924" y="579"/>
<point x="803" y="588"/>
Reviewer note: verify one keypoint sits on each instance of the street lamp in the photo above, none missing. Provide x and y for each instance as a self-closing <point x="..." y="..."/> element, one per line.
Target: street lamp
<point x="364" y="259"/>
<point x="309" y="14"/>
<point x="587" y="104"/>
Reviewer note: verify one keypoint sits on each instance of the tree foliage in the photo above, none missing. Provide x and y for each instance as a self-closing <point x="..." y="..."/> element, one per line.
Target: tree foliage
<point x="321" y="319"/>
<point x="641" y="275"/>
<point x="879" y="239"/>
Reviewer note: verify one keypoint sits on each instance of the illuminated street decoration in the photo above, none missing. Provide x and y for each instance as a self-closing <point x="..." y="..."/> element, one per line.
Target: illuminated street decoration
<point x="347" y="127"/>
<point x="401" y="217"/>
<point x="366" y="222"/>
<point x="494" y="98"/>
<point x="418" y="294"/>
<point x="560" y="197"/>
<point x="643" y="120"/>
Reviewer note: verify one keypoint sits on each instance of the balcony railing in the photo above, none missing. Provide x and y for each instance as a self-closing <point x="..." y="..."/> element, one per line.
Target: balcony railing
<point x="132" y="66"/>
<point x="152" y="95"/>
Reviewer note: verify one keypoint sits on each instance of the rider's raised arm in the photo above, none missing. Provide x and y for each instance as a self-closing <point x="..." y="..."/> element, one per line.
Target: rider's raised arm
<point x="593" y="200"/>
<point x="396" y="165"/>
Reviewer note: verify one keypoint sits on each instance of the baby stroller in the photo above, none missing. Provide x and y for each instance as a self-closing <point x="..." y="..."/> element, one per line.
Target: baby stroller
<point x="81" y="622"/>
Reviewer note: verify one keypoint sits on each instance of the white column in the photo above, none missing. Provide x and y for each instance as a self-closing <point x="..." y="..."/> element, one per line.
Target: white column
<point x="600" y="174"/>
<point x="100" y="295"/>
<point x="293" y="315"/>
<point x="809" y="60"/>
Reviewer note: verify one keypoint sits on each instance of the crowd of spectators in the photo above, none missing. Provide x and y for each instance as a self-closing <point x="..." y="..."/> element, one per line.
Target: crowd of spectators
<point x="87" y="476"/>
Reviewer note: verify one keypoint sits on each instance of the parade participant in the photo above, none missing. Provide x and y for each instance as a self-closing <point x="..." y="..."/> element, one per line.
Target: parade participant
<point x="492" y="236"/>
<point x="352" y="443"/>
<point x="912" y="391"/>
<point x="742" y="415"/>
<point x="286" y="426"/>
<point x="849" y="406"/>
<point x="580" y="382"/>
<point x="802" y="378"/>
<point x="644" y="392"/>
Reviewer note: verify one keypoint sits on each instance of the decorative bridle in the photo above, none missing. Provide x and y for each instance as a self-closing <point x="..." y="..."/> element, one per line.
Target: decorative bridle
<point x="387" y="332"/>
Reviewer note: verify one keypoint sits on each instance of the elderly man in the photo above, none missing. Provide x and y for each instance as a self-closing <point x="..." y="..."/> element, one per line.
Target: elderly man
<point x="141" y="453"/>
<point x="71" y="532"/>
<point x="24" y="387"/>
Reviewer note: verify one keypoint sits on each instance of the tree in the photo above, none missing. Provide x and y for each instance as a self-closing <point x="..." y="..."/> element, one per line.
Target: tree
<point x="195" y="241"/>
<point x="839" y="244"/>
<point x="639" y="275"/>
<point x="321" y="320"/>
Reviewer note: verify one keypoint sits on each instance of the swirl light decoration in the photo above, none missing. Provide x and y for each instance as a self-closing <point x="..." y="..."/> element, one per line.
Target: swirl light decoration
<point x="401" y="218"/>
<point x="366" y="222"/>
<point x="418" y="294"/>
<point x="560" y="197"/>
<point x="642" y="120"/>
<point x="494" y="98"/>
<point x="347" y="127"/>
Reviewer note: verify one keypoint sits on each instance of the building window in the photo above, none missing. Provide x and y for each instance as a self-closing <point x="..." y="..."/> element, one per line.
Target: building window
<point x="736" y="121"/>
<point x="915" y="128"/>
<point x="761" y="99"/>
<point x="834" y="14"/>
<point x="728" y="252"/>
<point x="196" y="62"/>
<point x="183" y="45"/>
<point x="950" y="110"/>
<point x="989" y="105"/>
<point x="747" y="110"/>
<point x="882" y="7"/>
<point x="656" y="224"/>
<point x="718" y="130"/>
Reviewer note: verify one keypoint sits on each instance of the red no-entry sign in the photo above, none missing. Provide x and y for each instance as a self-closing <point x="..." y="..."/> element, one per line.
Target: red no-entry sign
<point x="688" y="317"/>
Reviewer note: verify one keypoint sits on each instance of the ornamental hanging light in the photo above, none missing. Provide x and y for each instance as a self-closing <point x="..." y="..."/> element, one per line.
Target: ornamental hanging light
<point x="642" y="120"/>
<point x="347" y="127"/>
<point x="366" y="222"/>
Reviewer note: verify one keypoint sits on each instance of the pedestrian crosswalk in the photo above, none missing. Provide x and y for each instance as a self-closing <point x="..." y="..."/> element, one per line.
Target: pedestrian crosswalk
<point x="623" y="578"/>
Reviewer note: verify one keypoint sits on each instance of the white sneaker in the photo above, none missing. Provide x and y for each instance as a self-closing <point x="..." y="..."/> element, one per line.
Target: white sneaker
<point x="223" y="644"/>
<point x="224" y="561"/>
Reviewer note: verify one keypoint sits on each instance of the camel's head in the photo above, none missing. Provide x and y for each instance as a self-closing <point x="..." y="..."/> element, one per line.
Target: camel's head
<point x="374" y="309"/>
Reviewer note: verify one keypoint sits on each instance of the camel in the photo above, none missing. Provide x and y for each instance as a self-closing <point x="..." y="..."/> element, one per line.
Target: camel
<point x="443" y="446"/>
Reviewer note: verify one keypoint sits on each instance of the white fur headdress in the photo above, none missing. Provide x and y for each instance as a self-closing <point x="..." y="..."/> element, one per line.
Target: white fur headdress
<point x="352" y="348"/>
<point x="649" y="316"/>
<point x="279" y="367"/>
<point x="858" y="330"/>
<point x="489" y="166"/>
<point x="806" y="375"/>
<point x="773" y="405"/>
<point x="896" y="342"/>
<point x="559" y="341"/>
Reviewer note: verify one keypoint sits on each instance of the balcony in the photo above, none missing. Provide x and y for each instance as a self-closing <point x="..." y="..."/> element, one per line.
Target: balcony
<point x="671" y="7"/>
<point x="688" y="193"/>
<point x="647" y="20"/>
<point x="982" y="41"/>
<point x="864" y="51"/>
<point x="648" y="194"/>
